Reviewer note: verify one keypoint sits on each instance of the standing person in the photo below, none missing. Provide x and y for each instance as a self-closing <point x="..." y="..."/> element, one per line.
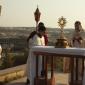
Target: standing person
<point x="77" y="41"/>
<point x="46" y="43"/>
<point x="36" y="39"/>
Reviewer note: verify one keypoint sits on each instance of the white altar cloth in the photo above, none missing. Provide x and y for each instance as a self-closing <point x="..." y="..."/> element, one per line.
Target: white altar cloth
<point x="67" y="51"/>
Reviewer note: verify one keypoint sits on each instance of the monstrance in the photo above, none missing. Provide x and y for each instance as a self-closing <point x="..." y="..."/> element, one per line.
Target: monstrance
<point x="62" y="41"/>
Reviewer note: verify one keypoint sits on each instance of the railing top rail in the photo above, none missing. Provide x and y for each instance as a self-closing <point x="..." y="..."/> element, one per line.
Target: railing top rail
<point x="64" y="52"/>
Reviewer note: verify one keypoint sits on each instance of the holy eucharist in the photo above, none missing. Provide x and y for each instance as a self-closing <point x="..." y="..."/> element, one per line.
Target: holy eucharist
<point x="62" y="22"/>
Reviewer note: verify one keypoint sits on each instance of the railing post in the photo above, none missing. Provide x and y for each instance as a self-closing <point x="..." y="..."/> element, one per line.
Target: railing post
<point x="72" y="70"/>
<point x="52" y="67"/>
<point x="46" y="71"/>
<point x="36" y="66"/>
<point x="76" y="69"/>
<point x="43" y="67"/>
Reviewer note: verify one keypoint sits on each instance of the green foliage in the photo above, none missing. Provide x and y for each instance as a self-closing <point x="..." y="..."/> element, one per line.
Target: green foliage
<point x="13" y="59"/>
<point x="58" y="64"/>
<point x="8" y="59"/>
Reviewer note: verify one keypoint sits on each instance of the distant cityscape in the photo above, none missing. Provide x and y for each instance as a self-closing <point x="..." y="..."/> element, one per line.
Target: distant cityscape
<point x="18" y="35"/>
<point x="15" y="47"/>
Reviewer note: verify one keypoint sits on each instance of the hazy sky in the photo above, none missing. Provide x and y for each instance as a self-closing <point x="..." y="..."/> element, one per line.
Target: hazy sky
<point x="21" y="12"/>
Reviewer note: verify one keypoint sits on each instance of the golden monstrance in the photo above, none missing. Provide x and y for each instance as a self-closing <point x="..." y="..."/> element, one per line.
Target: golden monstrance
<point x="62" y="41"/>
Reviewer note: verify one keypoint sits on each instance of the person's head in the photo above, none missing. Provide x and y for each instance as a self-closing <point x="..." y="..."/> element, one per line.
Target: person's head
<point x="78" y="26"/>
<point x="40" y="24"/>
<point x="41" y="30"/>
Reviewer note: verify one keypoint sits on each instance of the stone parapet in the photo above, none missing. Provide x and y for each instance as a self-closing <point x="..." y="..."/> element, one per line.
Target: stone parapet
<point x="12" y="73"/>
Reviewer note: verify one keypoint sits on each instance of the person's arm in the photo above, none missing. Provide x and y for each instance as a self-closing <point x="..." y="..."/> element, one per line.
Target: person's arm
<point x="31" y="35"/>
<point x="46" y="39"/>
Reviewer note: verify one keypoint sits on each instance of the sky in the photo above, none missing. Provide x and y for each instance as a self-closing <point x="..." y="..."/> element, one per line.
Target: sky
<point x="20" y="13"/>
